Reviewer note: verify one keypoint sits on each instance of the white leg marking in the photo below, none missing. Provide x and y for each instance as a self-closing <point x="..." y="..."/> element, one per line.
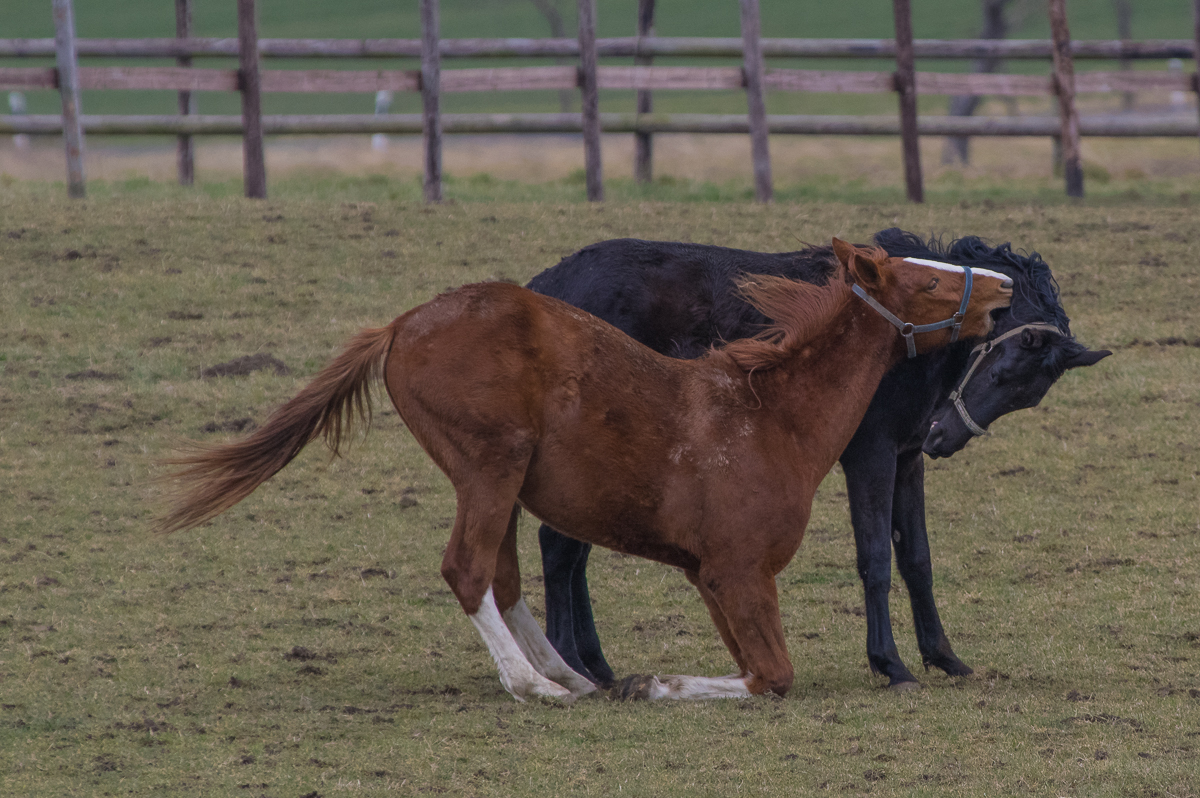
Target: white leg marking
<point x="516" y="674"/>
<point x="700" y="687"/>
<point x="540" y="653"/>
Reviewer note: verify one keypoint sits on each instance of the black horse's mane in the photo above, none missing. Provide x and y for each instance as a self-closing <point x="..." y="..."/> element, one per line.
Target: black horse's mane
<point x="1036" y="291"/>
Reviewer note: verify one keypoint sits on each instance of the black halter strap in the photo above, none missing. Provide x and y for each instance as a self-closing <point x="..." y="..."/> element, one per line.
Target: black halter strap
<point x="908" y="330"/>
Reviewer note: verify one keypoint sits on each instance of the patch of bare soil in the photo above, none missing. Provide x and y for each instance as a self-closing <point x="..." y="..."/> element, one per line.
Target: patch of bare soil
<point x="241" y="366"/>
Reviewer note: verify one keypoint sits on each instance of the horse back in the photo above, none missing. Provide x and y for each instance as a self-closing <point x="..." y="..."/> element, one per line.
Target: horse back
<point x="676" y="298"/>
<point x="503" y="367"/>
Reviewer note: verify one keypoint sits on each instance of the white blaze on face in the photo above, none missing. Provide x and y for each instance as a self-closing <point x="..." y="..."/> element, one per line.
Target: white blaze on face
<point x="950" y="267"/>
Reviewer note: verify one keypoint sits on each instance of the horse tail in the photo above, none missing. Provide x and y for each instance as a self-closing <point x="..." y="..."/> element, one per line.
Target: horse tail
<point x="213" y="478"/>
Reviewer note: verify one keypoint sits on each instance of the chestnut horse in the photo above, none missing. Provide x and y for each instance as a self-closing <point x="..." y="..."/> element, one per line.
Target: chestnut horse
<point x="709" y="465"/>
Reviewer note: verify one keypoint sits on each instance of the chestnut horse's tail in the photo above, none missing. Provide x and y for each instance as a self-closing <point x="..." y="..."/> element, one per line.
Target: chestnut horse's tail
<point x="213" y="478"/>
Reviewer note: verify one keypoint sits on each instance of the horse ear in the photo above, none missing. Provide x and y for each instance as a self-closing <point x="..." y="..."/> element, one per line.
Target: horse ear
<point x="843" y="250"/>
<point x="1088" y="357"/>
<point x="859" y="263"/>
<point x="1032" y="339"/>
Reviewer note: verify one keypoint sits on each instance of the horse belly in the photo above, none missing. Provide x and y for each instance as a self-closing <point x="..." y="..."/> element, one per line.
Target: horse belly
<point x="618" y="505"/>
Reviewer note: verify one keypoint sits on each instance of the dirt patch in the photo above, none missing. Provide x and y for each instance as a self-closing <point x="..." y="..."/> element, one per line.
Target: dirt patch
<point x="303" y="654"/>
<point x="233" y="425"/>
<point x="241" y="366"/>
<point x="1105" y="719"/>
<point x="92" y="374"/>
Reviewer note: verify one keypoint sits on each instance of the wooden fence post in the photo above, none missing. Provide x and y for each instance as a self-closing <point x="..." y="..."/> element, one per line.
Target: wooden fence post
<point x="186" y="147"/>
<point x="906" y="87"/>
<point x="643" y="157"/>
<point x="431" y="116"/>
<point x="1196" y="50"/>
<point x="1064" y="82"/>
<point x="755" y="99"/>
<point x="591" y="100"/>
<point x="68" y="88"/>
<point x="249" y="83"/>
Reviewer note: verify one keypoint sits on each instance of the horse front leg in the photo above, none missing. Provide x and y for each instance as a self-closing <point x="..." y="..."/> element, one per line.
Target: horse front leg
<point x="745" y="608"/>
<point x="915" y="565"/>
<point x="749" y="602"/>
<point x="870" y="475"/>
<point x="570" y="627"/>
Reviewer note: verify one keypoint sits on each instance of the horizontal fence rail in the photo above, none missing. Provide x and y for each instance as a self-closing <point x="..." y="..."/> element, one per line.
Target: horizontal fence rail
<point x="627" y="46"/>
<point x="1117" y="125"/>
<point x="608" y="77"/>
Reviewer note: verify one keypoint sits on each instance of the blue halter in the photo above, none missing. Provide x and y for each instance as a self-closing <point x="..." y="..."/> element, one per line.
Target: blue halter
<point x="908" y="330"/>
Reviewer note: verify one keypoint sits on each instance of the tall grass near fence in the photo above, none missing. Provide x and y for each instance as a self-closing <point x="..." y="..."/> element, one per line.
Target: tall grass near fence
<point x="304" y="644"/>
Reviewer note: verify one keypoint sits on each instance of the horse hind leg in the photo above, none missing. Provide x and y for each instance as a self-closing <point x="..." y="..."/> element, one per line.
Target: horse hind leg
<point x="520" y="622"/>
<point x="470" y="567"/>
<point x="518" y="676"/>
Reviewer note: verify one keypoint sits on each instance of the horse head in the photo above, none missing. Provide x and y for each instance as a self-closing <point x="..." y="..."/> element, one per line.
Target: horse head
<point x="930" y="302"/>
<point x="1029" y="349"/>
<point x="1011" y="372"/>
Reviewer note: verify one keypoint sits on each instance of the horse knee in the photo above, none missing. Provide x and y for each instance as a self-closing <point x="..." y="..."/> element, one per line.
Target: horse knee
<point x="777" y="683"/>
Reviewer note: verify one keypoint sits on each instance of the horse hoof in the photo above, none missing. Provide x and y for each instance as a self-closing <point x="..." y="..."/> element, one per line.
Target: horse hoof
<point x="541" y="689"/>
<point x="904" y="687"/>
<point x="561" y="695"/>
<point x="584" y="689"/>
<point x="634" y="688"/>
<point x="959" y="668"/>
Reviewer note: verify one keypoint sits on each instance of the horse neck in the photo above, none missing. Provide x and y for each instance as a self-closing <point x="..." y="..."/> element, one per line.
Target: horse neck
<point x="822" y="392"/>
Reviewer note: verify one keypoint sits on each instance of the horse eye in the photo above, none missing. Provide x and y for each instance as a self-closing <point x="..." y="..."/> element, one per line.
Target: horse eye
<point x="933" y="283"/>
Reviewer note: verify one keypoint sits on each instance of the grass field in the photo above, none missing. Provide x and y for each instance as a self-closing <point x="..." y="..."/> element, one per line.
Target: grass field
<point x="303" y="644"/>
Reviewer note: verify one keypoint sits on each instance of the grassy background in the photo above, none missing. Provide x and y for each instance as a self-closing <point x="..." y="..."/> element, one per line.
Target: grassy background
<point x="304" y="643"/>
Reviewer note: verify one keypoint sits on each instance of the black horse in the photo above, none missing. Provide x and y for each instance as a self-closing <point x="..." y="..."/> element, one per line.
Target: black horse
<point x="680" y="299"/>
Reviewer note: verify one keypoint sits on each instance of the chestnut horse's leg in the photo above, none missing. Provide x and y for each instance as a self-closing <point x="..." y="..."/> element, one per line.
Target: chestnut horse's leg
<point x="469" y="568"/>
<point x="719" y="620"/>
<point x="506" y="586"/>
<point x="745" y="608"/>
<point x="912" y="559"/>
<point x="748" y="598"/>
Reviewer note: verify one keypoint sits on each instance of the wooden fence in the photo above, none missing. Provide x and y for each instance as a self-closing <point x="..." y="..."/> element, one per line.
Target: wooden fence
<point x="250" y="80"/>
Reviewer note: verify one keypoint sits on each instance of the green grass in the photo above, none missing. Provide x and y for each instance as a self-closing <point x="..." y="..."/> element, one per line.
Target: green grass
<point x="304" y="643"/>
<point x="943" y="188"/>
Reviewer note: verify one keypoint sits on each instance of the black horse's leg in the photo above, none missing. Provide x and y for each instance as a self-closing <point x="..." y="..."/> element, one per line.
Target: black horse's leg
<point x="587" y="642"/>
<point x="569" y="625"/>
<point x="914" y="564"/>
<point x="869" y="478"/>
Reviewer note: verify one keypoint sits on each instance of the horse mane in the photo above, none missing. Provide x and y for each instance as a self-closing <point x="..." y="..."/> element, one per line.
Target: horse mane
<point x="799" y="312"/>
<point x="1035" y="291"/>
